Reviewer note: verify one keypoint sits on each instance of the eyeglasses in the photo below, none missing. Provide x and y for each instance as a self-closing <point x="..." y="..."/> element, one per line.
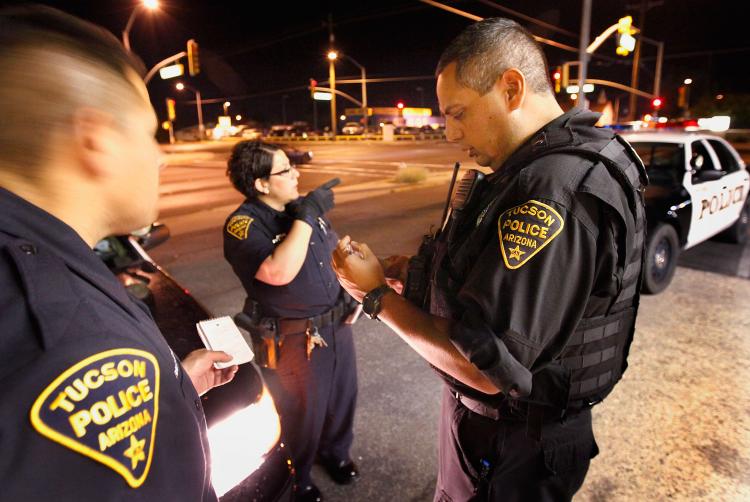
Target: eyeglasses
<point x="286" y="172"/>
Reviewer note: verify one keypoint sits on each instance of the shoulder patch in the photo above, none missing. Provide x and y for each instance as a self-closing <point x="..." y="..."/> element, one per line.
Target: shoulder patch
<point x="525" y="230"/>
<point x="238" y="226"/>
<point x="105" y="407"/>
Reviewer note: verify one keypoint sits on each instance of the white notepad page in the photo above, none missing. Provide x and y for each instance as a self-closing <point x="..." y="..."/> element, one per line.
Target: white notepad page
<point x="222" y="334"/>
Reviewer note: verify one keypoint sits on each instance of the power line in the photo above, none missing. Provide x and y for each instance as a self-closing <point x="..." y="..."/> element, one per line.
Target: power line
<point x="530" y="19"/>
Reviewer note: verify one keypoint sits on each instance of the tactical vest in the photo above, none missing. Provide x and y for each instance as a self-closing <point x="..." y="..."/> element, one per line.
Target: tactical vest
<point x="595" y="354"/>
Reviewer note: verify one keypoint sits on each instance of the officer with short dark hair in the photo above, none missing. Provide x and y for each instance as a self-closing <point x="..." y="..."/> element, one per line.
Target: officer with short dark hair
<point x="93" y="403"/>
<point x="279" y="244"/>
<point x="534" y="280"/>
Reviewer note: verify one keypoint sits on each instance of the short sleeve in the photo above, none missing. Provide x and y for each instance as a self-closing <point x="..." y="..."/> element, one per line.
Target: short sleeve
<point x="246" y="244"/>
<point x="533" y="277"/>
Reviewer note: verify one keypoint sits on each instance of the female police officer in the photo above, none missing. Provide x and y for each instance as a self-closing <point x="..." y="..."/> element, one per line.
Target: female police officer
<point x="279" y="245"/>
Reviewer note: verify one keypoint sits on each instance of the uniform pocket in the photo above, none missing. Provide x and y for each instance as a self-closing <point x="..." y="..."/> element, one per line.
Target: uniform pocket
<point x="560" y="459"/>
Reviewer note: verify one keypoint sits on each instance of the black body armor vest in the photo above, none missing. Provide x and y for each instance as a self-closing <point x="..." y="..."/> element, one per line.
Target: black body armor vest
<point x="594" y="356"/>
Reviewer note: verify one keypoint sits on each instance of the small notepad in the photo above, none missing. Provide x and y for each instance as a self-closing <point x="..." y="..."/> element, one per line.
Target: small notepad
<point x="222" y="334"/>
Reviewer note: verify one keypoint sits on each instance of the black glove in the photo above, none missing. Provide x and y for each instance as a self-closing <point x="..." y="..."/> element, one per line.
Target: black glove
<point x="315" y="204"/>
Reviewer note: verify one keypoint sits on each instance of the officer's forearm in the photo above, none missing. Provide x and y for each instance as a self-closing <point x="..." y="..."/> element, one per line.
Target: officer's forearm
<point x="286" y="261"/>
<point x="428" y="336"/>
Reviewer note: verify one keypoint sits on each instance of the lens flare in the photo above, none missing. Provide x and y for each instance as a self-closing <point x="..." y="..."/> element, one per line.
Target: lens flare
<point x="240" y="443"/>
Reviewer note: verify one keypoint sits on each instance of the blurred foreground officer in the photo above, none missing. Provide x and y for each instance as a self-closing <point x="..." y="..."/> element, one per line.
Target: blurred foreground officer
<point x="534" y="284"/>
<point x="279" y="244"/>
<point x="93" y="403"/>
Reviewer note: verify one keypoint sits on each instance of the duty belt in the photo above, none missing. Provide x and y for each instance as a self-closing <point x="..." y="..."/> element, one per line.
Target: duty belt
<point x="510" y="409"/>
<point x="333" y="316"/>
<point x="534" y="415"/>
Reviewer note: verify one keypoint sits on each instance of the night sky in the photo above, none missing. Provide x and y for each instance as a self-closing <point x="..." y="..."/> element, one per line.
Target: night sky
<point x="256" y="53"/>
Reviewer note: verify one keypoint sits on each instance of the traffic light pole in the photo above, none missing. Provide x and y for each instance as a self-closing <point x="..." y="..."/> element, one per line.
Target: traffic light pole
<point x="162" y="64"/>
<point x="332" y="83"/>
<point x="583" y="51"/>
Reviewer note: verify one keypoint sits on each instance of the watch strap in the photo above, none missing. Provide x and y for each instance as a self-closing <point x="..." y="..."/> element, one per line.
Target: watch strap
<point x="371" y="303"/>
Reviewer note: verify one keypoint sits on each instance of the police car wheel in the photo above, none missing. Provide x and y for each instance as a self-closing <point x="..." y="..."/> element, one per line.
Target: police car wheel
<point x="739" y="233"/>
<point x="661" y="259"/>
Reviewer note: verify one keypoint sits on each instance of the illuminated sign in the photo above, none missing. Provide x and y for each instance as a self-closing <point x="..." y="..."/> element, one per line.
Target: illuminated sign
<point x="322" y="96"/>
<point x="176" y="70"/>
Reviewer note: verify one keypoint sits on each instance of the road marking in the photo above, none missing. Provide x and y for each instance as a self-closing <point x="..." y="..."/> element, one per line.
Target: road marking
<point x="344" y="170"/>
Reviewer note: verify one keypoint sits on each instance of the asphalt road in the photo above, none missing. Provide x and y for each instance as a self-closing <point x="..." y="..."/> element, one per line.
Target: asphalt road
<point x="678" y="425"/>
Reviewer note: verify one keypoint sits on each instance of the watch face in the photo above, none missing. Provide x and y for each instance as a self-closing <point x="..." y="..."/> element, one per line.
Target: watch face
<point x="370" y="306"/>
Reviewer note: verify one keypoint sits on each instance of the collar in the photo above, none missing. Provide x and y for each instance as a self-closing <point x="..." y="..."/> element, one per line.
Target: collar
<point x="559" y="131"/>
<point x="24" y="220"/>
<point x="261" y="207"/>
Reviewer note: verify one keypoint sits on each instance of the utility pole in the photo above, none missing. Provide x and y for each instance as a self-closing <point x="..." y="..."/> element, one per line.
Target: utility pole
<point x="332" y="76"/>
<point x="583" y="52"/>
<point x="633" y="103"/>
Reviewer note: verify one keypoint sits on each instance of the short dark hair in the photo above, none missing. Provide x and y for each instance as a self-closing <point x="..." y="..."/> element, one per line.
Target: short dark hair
<point x="485" y="50"/>
<point x="250" y="160"/>
<point x="53" y="63"/>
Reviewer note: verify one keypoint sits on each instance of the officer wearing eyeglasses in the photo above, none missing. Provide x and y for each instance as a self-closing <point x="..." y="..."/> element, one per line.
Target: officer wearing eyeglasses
<point x="279" y="244"/>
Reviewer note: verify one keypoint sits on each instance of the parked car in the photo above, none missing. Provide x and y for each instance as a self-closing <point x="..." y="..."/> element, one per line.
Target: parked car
<point x="353" y="128"/>
<point x="698" y="188"/>
<point x="296" y="156"/>
<point x="296" y="130"/>
<point x="251" y="133"/>
<point x="248" y="459"/>
<point x="191" y="133"/>
<point x="406" y="130"/>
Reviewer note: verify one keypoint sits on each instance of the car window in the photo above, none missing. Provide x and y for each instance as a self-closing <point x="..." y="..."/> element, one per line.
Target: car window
<point x="665" y="162"/>
<point x="726" y="158"/>
<point x="700" y="160"/>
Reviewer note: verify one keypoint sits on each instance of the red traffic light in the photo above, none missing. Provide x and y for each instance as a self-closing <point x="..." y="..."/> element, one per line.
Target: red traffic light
<point x="556" y="75"/>
<point x="400" y="105"/>
<point x="313" y="83"/>
<point x="656" y="103"/>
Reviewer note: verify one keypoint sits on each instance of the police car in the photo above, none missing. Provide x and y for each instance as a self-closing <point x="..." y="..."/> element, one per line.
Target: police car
<point x="698" y="188"/>
<point x="249" y="460"/>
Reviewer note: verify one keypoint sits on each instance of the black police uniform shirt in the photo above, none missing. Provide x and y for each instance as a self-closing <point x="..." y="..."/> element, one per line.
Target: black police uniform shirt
<point x="251" y="234"/>
<point x="93" y="403"/>
<point x="548" y="258"/>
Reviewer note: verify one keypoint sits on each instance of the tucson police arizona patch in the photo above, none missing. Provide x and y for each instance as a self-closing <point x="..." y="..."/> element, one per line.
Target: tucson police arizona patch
<point x="525" y="230"/>
<point x="238" y="225"/>
<point x="105" y="407"/>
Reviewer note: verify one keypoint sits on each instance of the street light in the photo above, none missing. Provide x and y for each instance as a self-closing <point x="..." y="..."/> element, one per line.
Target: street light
<point x="149" y="5"/>
<point x="364" y="83"/>
<point x="226" y="106"/>
<point x="201" y="129"/>
<point x="332" y="55"/>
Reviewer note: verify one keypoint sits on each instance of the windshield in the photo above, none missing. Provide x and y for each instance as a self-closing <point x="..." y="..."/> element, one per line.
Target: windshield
<point x="665" y="162"/>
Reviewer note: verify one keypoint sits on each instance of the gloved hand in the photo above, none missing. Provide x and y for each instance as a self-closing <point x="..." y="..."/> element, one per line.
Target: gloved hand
<point x="313" y="205"/>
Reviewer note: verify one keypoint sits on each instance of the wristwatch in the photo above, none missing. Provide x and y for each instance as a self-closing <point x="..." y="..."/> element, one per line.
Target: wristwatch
<point x="371" y="305"/>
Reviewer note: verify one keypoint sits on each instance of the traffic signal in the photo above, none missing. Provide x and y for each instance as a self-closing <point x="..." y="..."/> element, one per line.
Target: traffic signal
<point x="313" y="85"/>
<point x="656" y="103"/>
<point x="194" y="64"/>
<point x="625" y="40"/>
<point x="557" y="78"/>
<point x="170" y="109"/>
<point x="400" y="105"/>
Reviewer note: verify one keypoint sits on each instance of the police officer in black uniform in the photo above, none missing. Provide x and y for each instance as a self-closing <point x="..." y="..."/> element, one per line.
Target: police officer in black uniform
<point x="279" y="245"/>
<point x="534" y="281"/>
<point x="93" y="403"/>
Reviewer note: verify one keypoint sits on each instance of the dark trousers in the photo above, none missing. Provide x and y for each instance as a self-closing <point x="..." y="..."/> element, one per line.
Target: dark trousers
<point x="485" y="459"/>
<point x="316" y="398"/>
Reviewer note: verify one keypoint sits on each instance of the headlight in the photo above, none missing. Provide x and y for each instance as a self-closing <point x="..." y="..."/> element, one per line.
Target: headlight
<point x="240" y="442"/>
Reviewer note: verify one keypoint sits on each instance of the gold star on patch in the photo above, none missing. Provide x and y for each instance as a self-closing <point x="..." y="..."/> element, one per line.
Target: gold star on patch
<point x="516" y="253"/>
<point x="135" y="452"/>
